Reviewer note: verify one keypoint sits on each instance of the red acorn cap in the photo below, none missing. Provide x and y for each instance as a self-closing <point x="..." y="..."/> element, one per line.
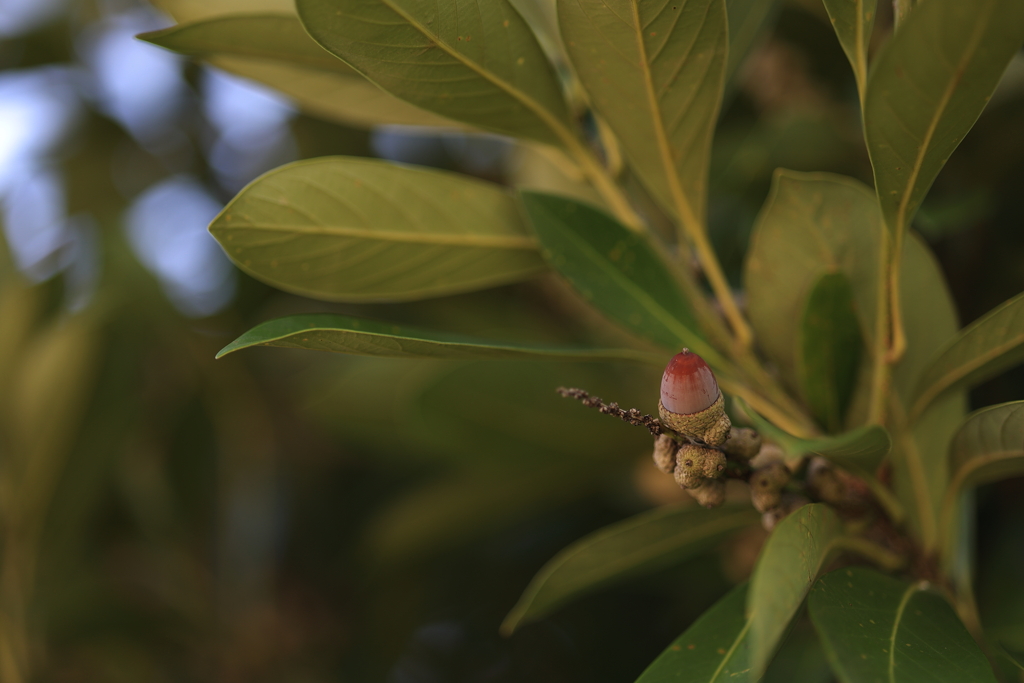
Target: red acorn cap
<point x="688" y="385"/>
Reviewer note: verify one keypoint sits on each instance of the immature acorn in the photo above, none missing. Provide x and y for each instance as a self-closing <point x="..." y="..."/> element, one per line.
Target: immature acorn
<point x="691" y="402"/>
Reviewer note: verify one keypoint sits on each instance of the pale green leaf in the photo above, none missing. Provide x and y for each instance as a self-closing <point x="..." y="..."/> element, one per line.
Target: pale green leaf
<point x="715" y="649"/>
<point x="989" y="446"/>
<point x="277" y="37"/>
<point x="275" y="50"/>
<point x="350" y="229"/>
<point x="617" y="271"/>
<point x="830" y="345"/>
<point x="345" y="334"/>
<point x="853" y="21"/>
<point x="655" y="72"/>
<point x="639" y="545"/>
<point x="812" y="224"/>
<point x="877" y="628"/>
<point x="920" y="467"/>
<point x="926" y="89"/>
<point x="789" y="563"/>
<point x="469" y="61"/>
<point x="195" y="10"/>
<point x="980" y="351"/>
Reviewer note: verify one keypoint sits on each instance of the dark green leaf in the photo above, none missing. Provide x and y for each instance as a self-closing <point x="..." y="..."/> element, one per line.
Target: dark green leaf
<point x="274" y="49"/>
<point x="861" y="450"/>
<point x="853" y="21"/>
<point x="655" y="72"/>
<point x="920" y="465"/>
<point x="638" y="545"/>
<point x="801" y="659"/>
<point x="348" y="229"/>
<point x="789" y="563"/>
<point x="927" y="87"/>
<point x="472" y="62"/>
<point x="980" y="351"/>
<point x="989" y="446"/>
<point x="617" y="271"/>
<point x="877" y="628"/>
<point x="831" y="347"/>
<point x="811" y="225"/>
<point x="345" y="334"/>
<point x="715" y="649"/>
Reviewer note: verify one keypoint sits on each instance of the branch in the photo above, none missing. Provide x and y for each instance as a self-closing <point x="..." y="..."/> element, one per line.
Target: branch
<point x="632" y="416"/>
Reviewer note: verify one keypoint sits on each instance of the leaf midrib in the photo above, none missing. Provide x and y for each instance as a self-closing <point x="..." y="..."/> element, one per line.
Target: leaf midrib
<point x="901" y="214"/>
<point x="681" y="331"/>
<point x="560" y="131"/>
<point x="626" y="354"/>
<point x="453" y="239"/>
<point x="907" y="594"/>
<point x="683" y="206"/>
<point x="951" y="377"/>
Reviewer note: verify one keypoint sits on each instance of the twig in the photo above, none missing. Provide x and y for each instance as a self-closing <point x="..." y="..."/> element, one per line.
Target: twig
<point x="632" y="416"/>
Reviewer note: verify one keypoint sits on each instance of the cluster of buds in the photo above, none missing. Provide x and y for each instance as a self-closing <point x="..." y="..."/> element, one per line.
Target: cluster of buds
<point x="695" y="442"/>
<point x="698" y="435"/>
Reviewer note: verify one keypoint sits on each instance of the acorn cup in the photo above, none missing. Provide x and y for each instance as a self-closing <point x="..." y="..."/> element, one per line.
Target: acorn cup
<point x="691" y="402"/>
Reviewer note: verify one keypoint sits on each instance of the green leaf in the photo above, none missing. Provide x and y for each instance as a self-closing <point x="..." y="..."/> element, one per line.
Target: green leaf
<point x="830" y="350"/>
<point x="278" y="37"/>
<point x="787" y="567"/>
<point x="920" y="466"/>
<point x="715" y="649"/>
<point x="877" y="628"/>
<point x="988" y="447"/>
<point x="345" y="334"/>
<point x="812" y="224"/>
<point x="639" y="545"/>
<point x="472" y="62"/>
<point x="853" y="21"/>
<point x="980" y="351"/>
<point x="801" y="659"/>
<point x="617" y="271"/>
<point x="348" y="229"/>
<point x="274" y="49"/>
<point x="860" y="450"/>
<point x="655" y="72"/>
<point x="748" y="20"/>
<point x="927" y="87"/>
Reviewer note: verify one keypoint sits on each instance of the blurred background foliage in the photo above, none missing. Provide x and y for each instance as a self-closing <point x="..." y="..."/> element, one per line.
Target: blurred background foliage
<point x="291" y="516"/>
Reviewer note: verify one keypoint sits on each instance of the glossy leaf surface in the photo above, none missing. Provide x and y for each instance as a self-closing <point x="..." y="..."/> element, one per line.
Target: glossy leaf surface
<point x="473" y="62"/>
<point x="617" y="271"/>
<point x="980" y="351"/>
<point x="812" y="224"/>
<point x="348" y="229"/>
<point x="715" y="649"/>
<point x="830" y="345"/>
<point x="655" y="71"/>
<point x="927" y="87"/>
<point x="275" y="50"/>
<point x="877" y="628"/>
<point x="853" y="21"/>
<point x="345" y="334"/>
<point x="786" y="569"/>
<point x="641" y="544"/>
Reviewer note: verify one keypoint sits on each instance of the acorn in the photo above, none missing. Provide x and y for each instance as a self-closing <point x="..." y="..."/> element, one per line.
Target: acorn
<point x="691" y="402"/>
